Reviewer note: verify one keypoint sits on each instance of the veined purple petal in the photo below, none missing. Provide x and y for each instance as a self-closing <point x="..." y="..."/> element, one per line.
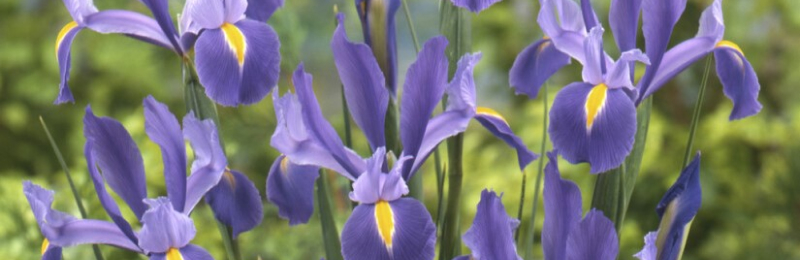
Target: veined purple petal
<point x="677" y="208"/>
<point x="658" y="20"/>
<point x="320" y="129"/>
<point x="461" y="89"/>
<point x="649" y="251"/>
<point x="52" y="253"/>
<point x="589" y="16"/>
<point x="132" y="24"/>
<point x="160" y="11"/>
<point x="425" y="84"/>
<point x="63" y="230"/>
<point x="291" y="137"/>
<point x="499" y="127"/>
<point x="408" y="232"/>
<point x="491" y="235"/>
<point x="189" y="252"/>
<point x="594" y="238"/>
<point x="623" y="18"/>
<point x="238" y="64"/>
<point x="566" y="29"/>
<point x="262" y="10"/>
<point x="79" y="9"/>
<point x="593" y="124"/>
<point x="236" y="202"/>
<point x="374" y="185"/>
<point x="364" y="84"/>
<point x="739" y="82"/>
<point x="619" y="74"/>
<point x="63" y="48"/>
<point x="208" y="14"/>
<point x="378" y="27"/>
<point x="119" y="159"/>
<point x="291" y="188"/>
<point x="534" y="65"/>
<point x="209" y="159"/>
<point x="475" y="6"/>
<point x="163" y="128"/>
<point x="164" y="228"/>
<point x="562" y="210"/>
<point x="106" y="200"/>
<point x="593" y="67"/>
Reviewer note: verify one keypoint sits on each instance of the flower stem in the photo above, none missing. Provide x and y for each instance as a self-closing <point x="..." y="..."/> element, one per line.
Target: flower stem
<point x="97" y="254"/>
<point x="330" y="235"/>
<point x="411" y="25"/>
<point x="532" y="224"/>
<point x="696" y="115"/>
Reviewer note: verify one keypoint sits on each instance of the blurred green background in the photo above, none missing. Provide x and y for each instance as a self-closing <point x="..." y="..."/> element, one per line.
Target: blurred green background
<point x="751" y="206"/>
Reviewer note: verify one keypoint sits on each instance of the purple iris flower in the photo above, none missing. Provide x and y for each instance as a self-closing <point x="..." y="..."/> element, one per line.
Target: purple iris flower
<point x="378" y="25"/>
<point x="230" y="66"/>
<point x="565" y="234"/>
<point x="676" y="210"/>
<point x="595" y="121"/>
<point x="306" y="138"/>
<point x="40" y="201"/>
<point x="492" y="233"/>
<point x="475" y="6"/>
<point x="167" y="228"/>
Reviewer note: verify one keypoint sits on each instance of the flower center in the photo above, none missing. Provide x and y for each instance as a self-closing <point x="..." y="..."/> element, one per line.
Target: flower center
<point x="174" y="254"/>
<point x="594" y="104"/>
<point x="384" y="218"/>
<point x="235" y="40"/>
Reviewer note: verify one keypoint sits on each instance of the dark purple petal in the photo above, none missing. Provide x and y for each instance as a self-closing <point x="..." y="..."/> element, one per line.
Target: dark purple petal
<point x="292" y="138"/>
<point x="603" y="142"/>
<point x="364" y="84"/>
<point x="534" y="65"/>
<point x="160" y="11"/>
<point x="163" y="128"/>
<point x="658" y="20"/>
<point x="649" y="251"/>
<point x="475" y="6"/>
<point x="623" y="18"/>
<point x="491" y="235"/>
<point x="594" y="238"/>
<point x="739" y="82"/>
<point x="262" y="10"/>
<point x="412" y="232"/>
<point x="374" y="185"/>
<point x="291" y="188"/>
<point x="132" y="24"/>
<point x="426" y="80"/>
<point x="63" y="47"/>
<point x="79" y="9"/>
<point x="496" y="124"/>
<point x="52" y="253"/>
<point x="320" y="129"/>
<point x="236" y="202"/>
<point x="677" y="208"/>
<point x="209" y="159"/>
<point x="562" y="210"/>
<point x="106" y="200"/>
<point x="589" y="17"/>
<point x="242" y="70"/>
<point x="119" y="159"/>
<point x="193" y="252"/>
<point x="164" y="228"/>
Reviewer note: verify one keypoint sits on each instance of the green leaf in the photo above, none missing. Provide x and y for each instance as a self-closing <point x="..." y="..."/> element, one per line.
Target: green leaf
<point x="330" y="235"/>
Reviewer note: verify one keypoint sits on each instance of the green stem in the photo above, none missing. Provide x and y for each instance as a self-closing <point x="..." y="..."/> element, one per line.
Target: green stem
<point x="411" y="25"/>
<point x="532" y="225"/>
<point x="97" y="254"/>
<point x="451" y="242"/>
<point x="330" y="235"/>
<point x="696" y="115"/>
<point x="521" y="204"/>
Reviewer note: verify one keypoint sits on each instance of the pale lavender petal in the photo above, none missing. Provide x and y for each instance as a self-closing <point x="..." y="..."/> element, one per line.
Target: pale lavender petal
<point x="164" y="228"/>
<point x="562" y="210"/>
<point x="209" y="159"/>
<point x="619" y="74"/>
<point x="291" y="188"/>
<point x="374" y="185"/>
<point x="491" y="235"/>
<point x="208" y="14"/>
<point x="79" y="9"/>
<point x="593" y="47"/>
<point x="163" y="128"/>
<point x="534" y="65"/>
<point x="649" y="251"/>
<point x="236" y="202"/>
<point x="234" y="10"/>
<point x="132" y="24"/>
<point x="594" y="238"/>
<point x="569" y="34"/>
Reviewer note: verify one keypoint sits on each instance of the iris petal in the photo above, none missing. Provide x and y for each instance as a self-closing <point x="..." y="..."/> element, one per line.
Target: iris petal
<point x="209" y="159"/>
<point x="475" y="6"/>
<point x="623" y="18"/>
<point x="414" y="233"/>
<point x="562" y="210"/>
<point x="658" y="20"/>
<point x="594" y="238"/>
<point x="63" y="46"/>
<point x="491" y="235"/>
<point x="498" y="126"/>
<point x="106" y="200"/>
<point x="262" y="10"/>
<point x="236" y="202"/>
<point x="163" y="128"/>
<point x="164" y="228"/>
<point x="739" y="81"/>
<point x="291" y="188"/>
<point x="534" y="65"/>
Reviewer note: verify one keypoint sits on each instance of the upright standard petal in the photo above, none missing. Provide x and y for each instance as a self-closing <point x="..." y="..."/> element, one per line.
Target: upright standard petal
<point x="132" y="24"/>
<point x="498" y="126"/>
<point x="594" y="238"/>
<point x="593" y="69"/>
<point x="164" y="228"/>
<point x="534" y="65"/>
<point x="291" y="188"/>
<point x="739" y="81"/>
<point x="593" y="124"/>
<point x="62" y="230"/>
<point x="236" y="202"/>
<point x="398" y="230"/>
<point x="79" y="9"/>
<point x="677" y="208"/>
<point x="561" y="20"/>
<point x="374" y="185"/>
<point x="209" y="159"/>
<point x="562" y="210"/>
<point x="475" y="6"/>
<point x="623" y="17"/>
<point x="619" y="75"/>
<point x="425" y="84"/>
<point x="262" y="10"/>
<point x="378" y="26"/>
<point x="208" y="14"/>
<point x="491" y="235"/>
<point x="108" y="203"/>
<point x="364" y="85"/>
<point x="119" y="159"/>
<point x="589" y="16"/>
<point x="238" y="63"/>
<point x="658" y="20"/>
<point x="160" y="11"/>
<point x="63" y="47"/>
<point x="320" y="129"/>
<point x="163" y="128"/>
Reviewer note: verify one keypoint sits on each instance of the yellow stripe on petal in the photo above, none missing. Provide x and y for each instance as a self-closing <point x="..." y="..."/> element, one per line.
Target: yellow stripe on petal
<point x="490" y="112"/>
<point x="384" y="218"/>
<point x="235" y="40"/>
<point x="63" y="33"/>
<point x="229" y="177"/>
<point x="594" y="104"/>
<point x="174" y="254"/>
<point x="731" y="45"/>
<point x="45" y="244"/>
